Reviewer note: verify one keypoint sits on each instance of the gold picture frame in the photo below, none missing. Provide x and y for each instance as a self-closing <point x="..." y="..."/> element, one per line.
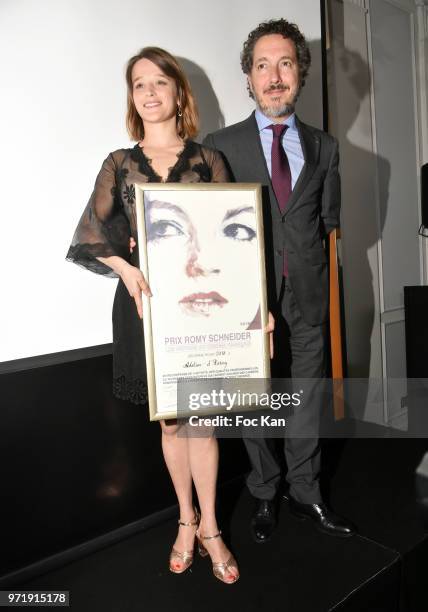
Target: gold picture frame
<point x="201" y="250"/>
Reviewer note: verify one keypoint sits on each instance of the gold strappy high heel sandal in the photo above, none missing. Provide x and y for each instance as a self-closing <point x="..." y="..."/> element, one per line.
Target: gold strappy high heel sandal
<point x="219" y="568"/>
<point x="187" y="556"/>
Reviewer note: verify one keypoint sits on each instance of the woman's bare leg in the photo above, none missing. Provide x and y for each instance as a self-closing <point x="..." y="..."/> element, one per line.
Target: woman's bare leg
<point x="176" y="455"/>
<point x="203" y="460"/>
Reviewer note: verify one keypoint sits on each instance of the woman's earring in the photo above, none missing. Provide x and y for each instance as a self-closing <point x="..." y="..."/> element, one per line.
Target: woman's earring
<point x="179" y="111"/>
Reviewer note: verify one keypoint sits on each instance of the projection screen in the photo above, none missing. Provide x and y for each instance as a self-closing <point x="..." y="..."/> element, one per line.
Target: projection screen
<point x="63" y="109"/>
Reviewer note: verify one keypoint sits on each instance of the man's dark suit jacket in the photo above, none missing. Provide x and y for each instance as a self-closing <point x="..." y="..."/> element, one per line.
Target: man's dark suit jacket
<point x="312" y="210"/>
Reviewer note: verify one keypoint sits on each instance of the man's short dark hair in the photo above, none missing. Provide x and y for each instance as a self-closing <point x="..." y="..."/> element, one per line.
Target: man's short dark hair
<point x="287" y="30"/>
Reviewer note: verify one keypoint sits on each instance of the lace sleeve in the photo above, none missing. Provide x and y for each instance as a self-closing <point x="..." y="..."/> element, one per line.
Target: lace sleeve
<point x="103" y="229"/>
<point x="219" y="171"/>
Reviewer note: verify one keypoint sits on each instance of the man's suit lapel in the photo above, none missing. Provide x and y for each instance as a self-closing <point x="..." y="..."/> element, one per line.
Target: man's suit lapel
<point x="259" y="169"/>
<point x="311" y="149"/>
<point x="255" y="151"/>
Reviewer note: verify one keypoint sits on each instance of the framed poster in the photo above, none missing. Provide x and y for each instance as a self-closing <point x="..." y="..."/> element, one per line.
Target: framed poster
<point x="201" y="251"/>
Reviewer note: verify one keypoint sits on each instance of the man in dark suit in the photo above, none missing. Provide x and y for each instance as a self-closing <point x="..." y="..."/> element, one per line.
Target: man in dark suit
<point x="298" y="167"/>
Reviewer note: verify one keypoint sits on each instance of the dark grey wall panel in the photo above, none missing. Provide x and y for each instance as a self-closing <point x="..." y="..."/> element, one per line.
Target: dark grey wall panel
<point x="75" y="462"/>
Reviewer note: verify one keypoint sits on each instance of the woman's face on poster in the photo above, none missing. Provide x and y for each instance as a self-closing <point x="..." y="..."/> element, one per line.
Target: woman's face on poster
<point x="203" y="260"/>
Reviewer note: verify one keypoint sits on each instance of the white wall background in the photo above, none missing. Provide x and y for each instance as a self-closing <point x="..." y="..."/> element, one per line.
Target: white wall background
<point x="62" y="107"/>
<point x="375" y="45"/>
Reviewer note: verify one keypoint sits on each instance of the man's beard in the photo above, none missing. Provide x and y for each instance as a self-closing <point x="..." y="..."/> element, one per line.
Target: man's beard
<point x="274" y="111"/>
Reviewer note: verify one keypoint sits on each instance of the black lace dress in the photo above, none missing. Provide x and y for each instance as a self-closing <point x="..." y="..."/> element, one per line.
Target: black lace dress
<point x="104" y="229"/>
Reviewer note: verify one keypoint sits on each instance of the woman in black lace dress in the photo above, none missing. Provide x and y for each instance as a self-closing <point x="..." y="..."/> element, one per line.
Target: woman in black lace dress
<point x="162" y="117"/>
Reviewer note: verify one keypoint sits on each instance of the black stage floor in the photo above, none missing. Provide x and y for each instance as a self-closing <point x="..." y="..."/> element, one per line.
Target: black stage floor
<point x="383" y="569"/>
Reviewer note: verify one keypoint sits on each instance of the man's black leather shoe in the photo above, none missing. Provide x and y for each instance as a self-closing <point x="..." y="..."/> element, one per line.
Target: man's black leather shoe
<point x="325" y="520"/>
<point x="264" y="520"/>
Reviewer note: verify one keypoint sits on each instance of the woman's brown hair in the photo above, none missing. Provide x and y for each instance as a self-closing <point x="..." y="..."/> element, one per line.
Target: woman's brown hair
<point x="188" y="122"/>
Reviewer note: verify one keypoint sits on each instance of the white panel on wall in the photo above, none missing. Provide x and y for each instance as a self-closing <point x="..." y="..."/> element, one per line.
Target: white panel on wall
<point x="350" y="121"/>
<point x="393" y="81"/>
<point x="62" y="111"/>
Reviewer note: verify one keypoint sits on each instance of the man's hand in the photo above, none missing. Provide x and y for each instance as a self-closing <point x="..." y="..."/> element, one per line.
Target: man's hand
<point x="132" y="244"/>
<point x="269" y="329"/>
